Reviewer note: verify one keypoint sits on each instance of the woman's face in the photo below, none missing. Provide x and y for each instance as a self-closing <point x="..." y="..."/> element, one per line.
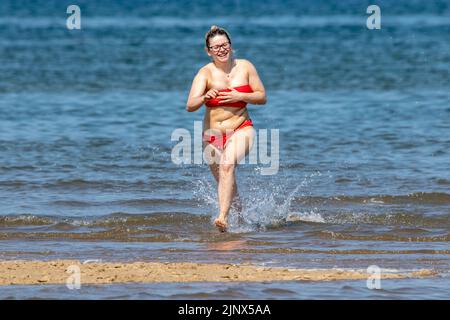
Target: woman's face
<point x="219" y="48"/>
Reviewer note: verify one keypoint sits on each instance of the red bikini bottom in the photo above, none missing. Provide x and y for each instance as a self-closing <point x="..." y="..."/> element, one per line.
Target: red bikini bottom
<point x="220" y="140"/>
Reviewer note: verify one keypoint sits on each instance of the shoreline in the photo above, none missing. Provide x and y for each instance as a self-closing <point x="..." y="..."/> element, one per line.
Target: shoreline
<point x="22" y="272"/>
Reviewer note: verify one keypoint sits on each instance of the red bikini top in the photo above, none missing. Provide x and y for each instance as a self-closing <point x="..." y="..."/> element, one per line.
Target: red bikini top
<point x="240" y="104"/>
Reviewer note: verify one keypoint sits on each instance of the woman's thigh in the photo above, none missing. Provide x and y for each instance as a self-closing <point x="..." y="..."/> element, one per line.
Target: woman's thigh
<point x="211" y="154"/>
<point x="238" y="146"/>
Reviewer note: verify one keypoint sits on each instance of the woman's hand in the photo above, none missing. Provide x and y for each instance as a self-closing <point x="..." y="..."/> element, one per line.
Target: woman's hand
<point x="230" y="96"/>
<point x="211" y="94"/>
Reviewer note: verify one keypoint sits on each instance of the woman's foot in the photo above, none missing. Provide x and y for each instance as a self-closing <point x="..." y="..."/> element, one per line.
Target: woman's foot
<point x="221" y="224"/>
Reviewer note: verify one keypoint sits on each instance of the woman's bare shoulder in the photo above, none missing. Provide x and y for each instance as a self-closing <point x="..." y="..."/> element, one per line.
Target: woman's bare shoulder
<point x="205" y="70"/>
<point x="246" y="64"/>
<point x="204" y="75"/>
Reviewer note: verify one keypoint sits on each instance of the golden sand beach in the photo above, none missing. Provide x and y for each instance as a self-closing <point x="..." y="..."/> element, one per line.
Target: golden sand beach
<point x="58" y="271"/>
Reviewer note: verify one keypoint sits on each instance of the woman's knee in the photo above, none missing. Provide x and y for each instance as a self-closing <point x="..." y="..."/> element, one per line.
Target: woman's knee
<point x="227" y="168"/>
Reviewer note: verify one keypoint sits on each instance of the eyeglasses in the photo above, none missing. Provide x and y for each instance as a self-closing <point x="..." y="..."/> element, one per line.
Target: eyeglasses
<point x="216" y="49"/>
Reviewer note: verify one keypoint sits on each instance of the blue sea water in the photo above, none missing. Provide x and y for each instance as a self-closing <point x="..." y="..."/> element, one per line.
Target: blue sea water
<point x="336" y="290"/>
<point x="86" y="118"/>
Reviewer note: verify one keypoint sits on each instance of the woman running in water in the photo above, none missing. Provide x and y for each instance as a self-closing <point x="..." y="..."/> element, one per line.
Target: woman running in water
<point x="225" y="86"/>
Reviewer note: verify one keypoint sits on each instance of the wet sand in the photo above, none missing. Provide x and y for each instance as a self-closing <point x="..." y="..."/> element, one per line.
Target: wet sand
<point x="58" y="271"/>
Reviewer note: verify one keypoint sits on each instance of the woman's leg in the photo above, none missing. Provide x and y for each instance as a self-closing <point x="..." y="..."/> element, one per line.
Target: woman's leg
<point x="213" y="157"/>
<point x="215" y="171"/>
<point x="236" y="202"/>
<point x="235" y="150"/>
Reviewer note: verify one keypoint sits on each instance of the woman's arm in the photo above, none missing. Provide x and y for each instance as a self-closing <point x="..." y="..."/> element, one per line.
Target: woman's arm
<point x="258" y="96"/>
<point x="196" y="96"/>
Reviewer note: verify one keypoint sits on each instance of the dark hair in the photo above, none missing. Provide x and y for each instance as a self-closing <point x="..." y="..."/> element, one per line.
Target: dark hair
<point x="214" y="31"/>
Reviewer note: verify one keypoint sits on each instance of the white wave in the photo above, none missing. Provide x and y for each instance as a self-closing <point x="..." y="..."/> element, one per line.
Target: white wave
<point x="305" y="216"/>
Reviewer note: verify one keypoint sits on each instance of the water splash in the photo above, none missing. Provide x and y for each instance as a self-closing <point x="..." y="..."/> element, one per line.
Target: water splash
<point x="265" y="204"/>
<point x="269" y="207"/>
<point x="205" y="192"/>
